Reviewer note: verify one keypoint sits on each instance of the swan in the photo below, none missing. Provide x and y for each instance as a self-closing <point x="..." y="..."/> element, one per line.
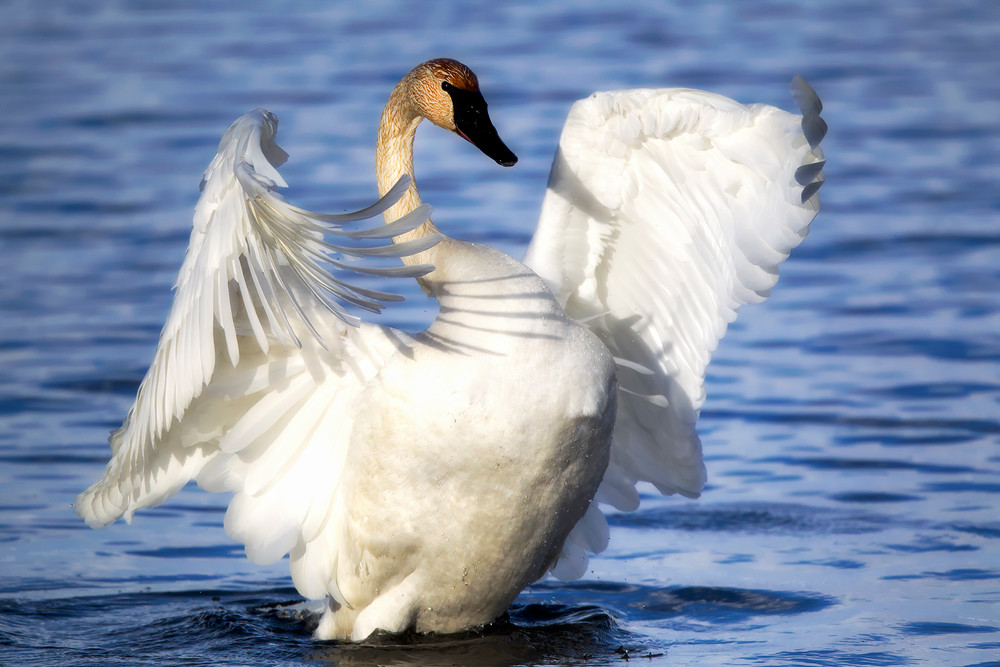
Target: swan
<point x="421" y="481"/>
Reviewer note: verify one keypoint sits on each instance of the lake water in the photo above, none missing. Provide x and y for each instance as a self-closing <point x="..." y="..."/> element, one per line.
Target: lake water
<point x="851" y="429"/>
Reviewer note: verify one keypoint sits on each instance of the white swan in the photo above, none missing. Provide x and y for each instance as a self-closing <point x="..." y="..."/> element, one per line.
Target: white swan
<point x="420" y="482"/>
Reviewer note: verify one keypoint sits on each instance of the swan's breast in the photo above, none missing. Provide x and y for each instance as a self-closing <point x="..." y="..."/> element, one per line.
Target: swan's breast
<point x="475" y="452"/>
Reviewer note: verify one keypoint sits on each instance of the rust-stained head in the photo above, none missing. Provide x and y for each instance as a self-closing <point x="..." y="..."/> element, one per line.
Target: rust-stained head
<point x="453" y="72"/>
<point x="425" y="87"/>
<point x="446" y="92"/>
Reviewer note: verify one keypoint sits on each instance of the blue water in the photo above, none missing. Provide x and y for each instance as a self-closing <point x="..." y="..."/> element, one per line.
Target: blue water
<point x="851" y="429"/>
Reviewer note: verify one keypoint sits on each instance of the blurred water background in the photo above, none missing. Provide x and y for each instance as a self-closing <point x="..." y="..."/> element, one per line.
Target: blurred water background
<point x="851" y="429"/>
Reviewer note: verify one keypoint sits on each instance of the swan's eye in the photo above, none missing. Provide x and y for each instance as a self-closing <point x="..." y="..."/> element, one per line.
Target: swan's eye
<point x="446" y="86"/>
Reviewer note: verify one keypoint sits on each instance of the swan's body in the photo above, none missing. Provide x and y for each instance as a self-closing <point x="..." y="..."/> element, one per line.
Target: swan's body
<point x="421" y="481"/>
<point x="459" y="494"/>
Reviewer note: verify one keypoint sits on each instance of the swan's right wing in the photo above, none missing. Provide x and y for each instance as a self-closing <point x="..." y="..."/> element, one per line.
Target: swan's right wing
<point x="667" y="210"/>
<point x="256" y="337"/>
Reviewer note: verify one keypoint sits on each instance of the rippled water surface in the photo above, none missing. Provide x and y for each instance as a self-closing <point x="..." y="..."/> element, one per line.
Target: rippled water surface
<point x="851" y="428"/>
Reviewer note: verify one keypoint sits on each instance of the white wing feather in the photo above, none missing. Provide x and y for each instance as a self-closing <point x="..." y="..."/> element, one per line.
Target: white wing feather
<point x="667" y="210"/>
<point x="251" y="364"/>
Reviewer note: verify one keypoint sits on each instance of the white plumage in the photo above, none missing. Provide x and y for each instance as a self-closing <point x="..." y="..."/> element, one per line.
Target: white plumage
<point x="666" y="210"/>
<point x="422" y="481"/>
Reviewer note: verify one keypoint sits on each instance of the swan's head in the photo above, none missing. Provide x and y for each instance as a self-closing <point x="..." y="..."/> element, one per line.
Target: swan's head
<point x="447" y="94"/>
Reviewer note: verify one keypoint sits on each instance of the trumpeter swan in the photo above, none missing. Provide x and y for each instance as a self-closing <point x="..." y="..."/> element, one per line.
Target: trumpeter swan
<point x="421" y="481"/>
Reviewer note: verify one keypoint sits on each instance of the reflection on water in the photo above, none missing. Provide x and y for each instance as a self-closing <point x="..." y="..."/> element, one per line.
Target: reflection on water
<point x="850" y="429"/>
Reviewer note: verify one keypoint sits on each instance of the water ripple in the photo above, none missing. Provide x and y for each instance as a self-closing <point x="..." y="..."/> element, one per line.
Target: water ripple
<point x="753" y="518"/>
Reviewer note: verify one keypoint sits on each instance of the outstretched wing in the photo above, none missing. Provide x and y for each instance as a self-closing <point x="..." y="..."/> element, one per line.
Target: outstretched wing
<point x="667" y="210"/>
<point x="251" y="317"/>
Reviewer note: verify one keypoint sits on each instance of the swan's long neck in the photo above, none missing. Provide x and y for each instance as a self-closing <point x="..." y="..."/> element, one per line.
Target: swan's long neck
<point x="394" y="157"/>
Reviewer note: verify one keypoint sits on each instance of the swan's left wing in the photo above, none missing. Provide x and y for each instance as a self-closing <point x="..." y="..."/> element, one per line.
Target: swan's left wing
<point x="667" y="210"/>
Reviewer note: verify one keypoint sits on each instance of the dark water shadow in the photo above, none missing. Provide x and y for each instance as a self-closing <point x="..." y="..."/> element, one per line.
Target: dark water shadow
<point x="550" y="633"/>
<point x="579" y="623"/>
<point x="680" y="604"/>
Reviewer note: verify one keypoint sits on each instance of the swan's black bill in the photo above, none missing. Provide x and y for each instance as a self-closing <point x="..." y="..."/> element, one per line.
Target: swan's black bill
<point x="472" y="122"/>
